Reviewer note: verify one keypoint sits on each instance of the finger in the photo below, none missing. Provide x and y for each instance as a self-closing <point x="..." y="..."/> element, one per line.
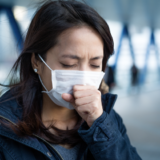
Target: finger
<point x="88" y="107"/>
<point x="82" y="93"/>
<point x="83" y="87"/>
<point x="68" y="97"/>
<point x="84" y="100"/>
<point x="85" y="109"/>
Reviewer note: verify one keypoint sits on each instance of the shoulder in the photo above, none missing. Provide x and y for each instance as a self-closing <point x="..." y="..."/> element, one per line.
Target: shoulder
<point x="108" y="101"/>
<point x="114" y="114"/>
<point x="9" y="107"/>
<point x="118" y="120"/>
<point x="7" y="99"/>
<point x="6" y="95"/>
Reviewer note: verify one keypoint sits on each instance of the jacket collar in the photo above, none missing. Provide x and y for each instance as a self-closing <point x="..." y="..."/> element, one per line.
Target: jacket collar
<point x="108" y="101"/>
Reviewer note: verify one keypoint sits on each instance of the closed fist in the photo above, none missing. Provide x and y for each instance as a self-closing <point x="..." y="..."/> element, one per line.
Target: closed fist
<point x="86" y="101"/>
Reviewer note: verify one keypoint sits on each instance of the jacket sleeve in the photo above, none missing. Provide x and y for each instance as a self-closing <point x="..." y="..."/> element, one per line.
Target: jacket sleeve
<point x="107" y="138"/>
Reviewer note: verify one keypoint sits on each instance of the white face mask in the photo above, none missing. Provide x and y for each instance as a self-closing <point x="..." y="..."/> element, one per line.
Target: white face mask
<point x="64" y="80"/>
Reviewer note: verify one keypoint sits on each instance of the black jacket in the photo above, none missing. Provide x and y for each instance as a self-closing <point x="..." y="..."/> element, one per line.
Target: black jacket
<point x="106" y="139"/>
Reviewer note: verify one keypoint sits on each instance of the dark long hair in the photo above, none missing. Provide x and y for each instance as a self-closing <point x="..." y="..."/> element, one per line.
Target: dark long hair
<point x="49" y="21"/>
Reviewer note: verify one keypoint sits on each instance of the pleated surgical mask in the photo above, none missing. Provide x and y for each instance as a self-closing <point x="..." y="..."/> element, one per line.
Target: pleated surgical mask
<point x="64" y="80"/>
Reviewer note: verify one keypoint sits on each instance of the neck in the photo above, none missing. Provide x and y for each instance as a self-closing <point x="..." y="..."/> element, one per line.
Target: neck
<point x="51" y="111"/>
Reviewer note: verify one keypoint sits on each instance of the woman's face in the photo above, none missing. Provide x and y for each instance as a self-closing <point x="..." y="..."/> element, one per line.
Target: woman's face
<point x="77" y="49"/>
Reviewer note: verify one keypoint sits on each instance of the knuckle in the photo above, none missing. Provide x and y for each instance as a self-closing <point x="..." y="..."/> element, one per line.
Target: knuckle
<point x="74" y="88"/>
<point x="75" y="94"/>
<point x="95" y="88"/>
<point x="98" y="92"/>
<point x="94" y="105"/>
<point x="96" y="97"/>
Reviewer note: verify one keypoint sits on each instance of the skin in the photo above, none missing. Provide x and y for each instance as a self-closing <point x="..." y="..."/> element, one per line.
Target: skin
<point x="86" y="44"/>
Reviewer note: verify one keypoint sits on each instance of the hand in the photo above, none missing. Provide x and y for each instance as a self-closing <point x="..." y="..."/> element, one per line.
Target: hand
<point x="86" y="101"/>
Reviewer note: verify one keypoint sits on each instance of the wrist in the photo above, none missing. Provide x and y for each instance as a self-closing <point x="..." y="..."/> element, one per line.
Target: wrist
<point x="91" y="123"/>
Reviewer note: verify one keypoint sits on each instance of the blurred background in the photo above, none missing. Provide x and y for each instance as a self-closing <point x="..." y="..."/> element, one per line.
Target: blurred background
<point x="133" y="72"/>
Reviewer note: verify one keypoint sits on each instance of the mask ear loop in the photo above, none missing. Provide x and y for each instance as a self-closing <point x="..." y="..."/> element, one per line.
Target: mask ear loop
<point x="44" y="62"/>
<point x="39" y="75"/>
<point x="42" y="84"/>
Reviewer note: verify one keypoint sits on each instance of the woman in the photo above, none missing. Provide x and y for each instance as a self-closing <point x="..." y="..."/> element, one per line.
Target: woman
<point x="54" y="109"/>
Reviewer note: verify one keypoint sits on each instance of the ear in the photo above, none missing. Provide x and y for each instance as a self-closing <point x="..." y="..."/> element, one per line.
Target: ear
<point x="35" y="63"/>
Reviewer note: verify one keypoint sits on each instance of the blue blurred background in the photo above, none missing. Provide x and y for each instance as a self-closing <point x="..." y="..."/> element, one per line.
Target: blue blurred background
<point x="135" y="65"/>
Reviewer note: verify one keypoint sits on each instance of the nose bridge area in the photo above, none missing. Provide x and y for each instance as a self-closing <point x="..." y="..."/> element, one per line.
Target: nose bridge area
<point x="84" y="67"/>
<point x="84" y="64"/>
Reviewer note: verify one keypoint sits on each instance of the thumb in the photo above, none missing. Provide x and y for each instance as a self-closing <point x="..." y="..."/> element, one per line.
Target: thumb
<point x="68" y="97"/>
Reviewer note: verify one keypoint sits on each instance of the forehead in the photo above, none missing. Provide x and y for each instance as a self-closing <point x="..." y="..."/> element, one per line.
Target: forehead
<point x="81" y="41"/>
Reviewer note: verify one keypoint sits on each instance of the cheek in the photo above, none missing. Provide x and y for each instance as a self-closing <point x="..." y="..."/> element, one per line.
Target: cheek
<point x="46" y="78"/>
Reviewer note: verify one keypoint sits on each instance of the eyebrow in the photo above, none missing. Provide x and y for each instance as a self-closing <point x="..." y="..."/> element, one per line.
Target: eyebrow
<point x="78" y="58"/>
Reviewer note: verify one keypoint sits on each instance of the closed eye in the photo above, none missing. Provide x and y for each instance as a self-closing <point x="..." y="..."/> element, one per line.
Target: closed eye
<point x="95" y="66"/>
<point x="67" y="66"/>
<point x="71" y="66"/>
